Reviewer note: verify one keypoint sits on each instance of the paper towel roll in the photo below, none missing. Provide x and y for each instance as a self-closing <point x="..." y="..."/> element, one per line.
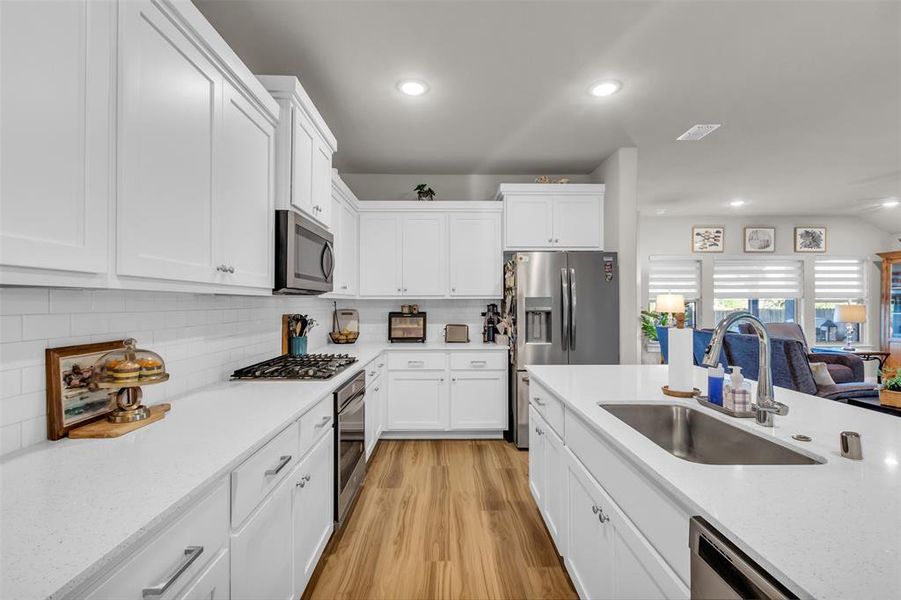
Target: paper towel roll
<point x="681" y="360"/>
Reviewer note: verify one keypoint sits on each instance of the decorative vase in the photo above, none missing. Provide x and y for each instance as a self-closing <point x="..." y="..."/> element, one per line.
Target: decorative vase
<point x="297" y="345"/>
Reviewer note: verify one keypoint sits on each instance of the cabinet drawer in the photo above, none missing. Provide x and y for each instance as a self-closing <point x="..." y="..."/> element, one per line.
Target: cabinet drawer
<point x="260" y="473"/>
<point x="194" y="539"/>
<point x="213" y="583"/>
<point x="317" y="421"/>
<point x="548" y="406"/>
<point x="659" y="519"/>
<point x="416" y="361"/>
<point x="478" y="360"/>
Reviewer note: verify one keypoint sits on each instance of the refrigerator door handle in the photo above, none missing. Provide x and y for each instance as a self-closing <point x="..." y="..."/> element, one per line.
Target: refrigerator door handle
<point x="572" y="310"/>
<point x="564" y="288"/>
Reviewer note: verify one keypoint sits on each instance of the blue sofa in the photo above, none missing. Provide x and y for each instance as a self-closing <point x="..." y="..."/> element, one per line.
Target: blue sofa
<point x="790" y="363"/>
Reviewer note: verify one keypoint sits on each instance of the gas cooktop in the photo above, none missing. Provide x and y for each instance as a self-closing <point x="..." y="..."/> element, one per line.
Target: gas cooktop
<point x="306" y="366"/>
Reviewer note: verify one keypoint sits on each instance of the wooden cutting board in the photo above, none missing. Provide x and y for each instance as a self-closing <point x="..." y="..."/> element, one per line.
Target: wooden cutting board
<point x="105" y="429"/>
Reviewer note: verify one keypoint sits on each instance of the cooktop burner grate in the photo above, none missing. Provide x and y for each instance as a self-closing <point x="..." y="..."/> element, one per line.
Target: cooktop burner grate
<point x="307" y="366"/>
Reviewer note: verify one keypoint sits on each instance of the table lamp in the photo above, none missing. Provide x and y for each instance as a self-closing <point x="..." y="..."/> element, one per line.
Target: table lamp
<point x="850" y="314"/>
<point x="680" y="372"/>
<point x="674" y="304"/>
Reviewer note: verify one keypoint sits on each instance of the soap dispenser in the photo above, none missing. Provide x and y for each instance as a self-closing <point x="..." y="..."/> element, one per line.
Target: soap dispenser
<point x="715" y="384"/>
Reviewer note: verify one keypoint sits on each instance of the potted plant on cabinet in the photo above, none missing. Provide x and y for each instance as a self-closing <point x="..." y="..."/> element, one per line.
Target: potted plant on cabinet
<point x="424" y="192"/>
<point x="890" y="392"/>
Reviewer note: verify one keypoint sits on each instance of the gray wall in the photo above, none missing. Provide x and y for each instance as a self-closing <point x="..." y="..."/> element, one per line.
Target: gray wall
<point x="383" y="186"/>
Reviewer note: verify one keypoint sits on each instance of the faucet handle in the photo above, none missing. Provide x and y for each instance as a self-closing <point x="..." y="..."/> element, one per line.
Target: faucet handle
<point x="776" y="408"/>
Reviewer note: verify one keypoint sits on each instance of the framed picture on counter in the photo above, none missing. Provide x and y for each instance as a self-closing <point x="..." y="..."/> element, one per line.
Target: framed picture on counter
<point x="708" y="238"/>
<point x="72" y="398"/>
<point x="760" y="239"/>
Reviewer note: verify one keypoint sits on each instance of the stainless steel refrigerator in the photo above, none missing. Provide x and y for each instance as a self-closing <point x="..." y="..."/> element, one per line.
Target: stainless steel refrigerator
<point x="565" y="310"/>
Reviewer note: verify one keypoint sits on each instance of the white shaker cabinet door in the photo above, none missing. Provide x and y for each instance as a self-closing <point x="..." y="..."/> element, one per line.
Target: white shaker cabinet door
<point x="528" y="222"/>
<point x="424" y="255"/>
<point x="303" y="142"/>
<point x="537" y="475"/>
<point x="380" y="255"/>
<point x="478" y="401"/>
<point x="55" y="119"/>
<point x="169" y="108"/>
<point x="261" y="565"/>
<point x="322" y="183"/>
<point x="417" y="401"/>
<point x="313" y="511"/>
<point x="243" y="212"/>
<point x="577" y="222"/>
<point x="555" y="492"/>
<point x="476" y="255"/>
<point x="350" y="227"/>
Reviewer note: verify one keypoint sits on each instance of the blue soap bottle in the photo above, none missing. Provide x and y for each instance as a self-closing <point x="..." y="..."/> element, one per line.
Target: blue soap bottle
<point x="715" y="384"/>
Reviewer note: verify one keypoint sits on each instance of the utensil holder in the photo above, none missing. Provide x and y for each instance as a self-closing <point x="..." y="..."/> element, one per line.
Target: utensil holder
<point x="297" y="345"/>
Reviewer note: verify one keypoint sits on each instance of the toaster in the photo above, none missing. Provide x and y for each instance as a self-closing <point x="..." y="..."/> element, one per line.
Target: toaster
<point x="456" y="333"/>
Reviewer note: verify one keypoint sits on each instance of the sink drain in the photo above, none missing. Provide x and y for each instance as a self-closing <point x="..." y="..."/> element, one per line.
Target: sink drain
<point x="801" y="438"/>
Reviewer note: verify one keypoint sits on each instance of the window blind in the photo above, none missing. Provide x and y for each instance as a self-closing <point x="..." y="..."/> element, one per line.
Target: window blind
<point x="839" y="279"/>
<point x="674" y="276"/>
<point x="758" y="278"/>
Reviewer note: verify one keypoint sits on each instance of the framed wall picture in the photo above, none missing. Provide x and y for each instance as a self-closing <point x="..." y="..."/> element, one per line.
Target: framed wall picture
<point x="760" y="239"/>
<point x="708" y="238"/>
<point x="72" y="399"/>
<point x="810" y="239"/>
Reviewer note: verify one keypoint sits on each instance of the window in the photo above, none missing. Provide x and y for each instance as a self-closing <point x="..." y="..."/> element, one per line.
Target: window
<point x="837" y="281"/>
<point x="768" y="289"/>
<point x="668" y="275"/>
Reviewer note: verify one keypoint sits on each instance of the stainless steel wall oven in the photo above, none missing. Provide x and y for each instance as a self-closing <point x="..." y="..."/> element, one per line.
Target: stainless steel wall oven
<point x="350" y="452"/>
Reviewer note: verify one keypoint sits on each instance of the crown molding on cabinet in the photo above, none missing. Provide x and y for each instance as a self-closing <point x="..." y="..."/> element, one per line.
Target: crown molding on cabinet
<point x="289" y="87"/>
<point x="442" y="206"/>
<point x="544" y="189"/>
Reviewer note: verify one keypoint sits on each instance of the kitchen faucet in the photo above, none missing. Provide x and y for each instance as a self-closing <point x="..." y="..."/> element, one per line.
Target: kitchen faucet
<point x="766" y="406"/>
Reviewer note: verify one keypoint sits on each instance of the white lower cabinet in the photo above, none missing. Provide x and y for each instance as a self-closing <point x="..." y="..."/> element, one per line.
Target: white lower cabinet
<point x="212" y="583"/>
<point x="607" y="557"/>
<point x="417" y="401"/>
<point x="261" y="565"/>
<point x="537" y="474"/>
<point x="547" y="476"/>
<point x="312" y="512"/>
<point x="473" y="400"/>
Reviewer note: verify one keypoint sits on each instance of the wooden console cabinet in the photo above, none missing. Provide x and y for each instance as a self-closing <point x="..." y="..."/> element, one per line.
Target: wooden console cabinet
<point x="890" y="327"/>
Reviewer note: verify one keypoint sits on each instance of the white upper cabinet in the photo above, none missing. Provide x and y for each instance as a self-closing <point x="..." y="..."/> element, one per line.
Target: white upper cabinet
<point x="345" y="226"/>
<point x="439" y="250"/>
<point x="170" y="106"/>
<point x="553" y="216"/>
<point x="304" y="150"/>
<point x="475" y="255"/>
<point x="380" y="255"/>
<point x="424" y="255"/>
<point x="243" y="211"/>
<point x="55" y="151"/>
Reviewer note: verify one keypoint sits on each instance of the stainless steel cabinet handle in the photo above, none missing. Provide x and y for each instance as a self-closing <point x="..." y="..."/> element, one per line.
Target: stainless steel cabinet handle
<point x="377" y="388"/>
<point x="564" y="314"/>
<point x="453" y="379"/>
<point x="343" y="287"/>
<point x="453" y="289"/>
<point x="284" y="460"/>
<point x="306" y="477"/>
<point x="398" y="289"/>
<point x="441" y="379"/>
<point x="323" y="422"/>
<point x="405" y="289"/>
<point x="602" y="517"/>
<point x="231" y="269"/>
<point x="222" y="268"/>
<point x="381" y="365"/>
<point x="192" y="553"/>
<point x="478" y="362"/>
<point x="415" y="362"/>
<point x="550" y="240"/>
<point x="556" y="240"/>
<point x="300" y="484"/>
<point x="595" y="509"/>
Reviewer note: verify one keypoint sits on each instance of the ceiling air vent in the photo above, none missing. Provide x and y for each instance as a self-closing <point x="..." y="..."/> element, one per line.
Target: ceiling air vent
<point x="698" y="131"/>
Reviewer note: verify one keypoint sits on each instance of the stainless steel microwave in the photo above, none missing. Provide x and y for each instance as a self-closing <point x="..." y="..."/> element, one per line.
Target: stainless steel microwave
<point x="304" y="255"/>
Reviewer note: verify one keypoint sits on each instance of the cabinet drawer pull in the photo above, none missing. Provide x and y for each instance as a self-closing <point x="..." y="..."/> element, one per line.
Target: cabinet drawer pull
<point x="323" y="422"/>
<point x="538" y="401"/>
<point x="414" y="363"/>
<point x="602" y="517"/>
<point x="478" y="363"/>
<point x="595" y="509"/>
<point x="192" y="553"/>
<point x="377" y="388"/>
<point x="284" y="460"/>
<point x="300" y="483"/>
<point x="306" y="477"/>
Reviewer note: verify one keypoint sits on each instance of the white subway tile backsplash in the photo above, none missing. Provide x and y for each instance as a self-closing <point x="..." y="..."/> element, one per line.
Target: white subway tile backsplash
<point x="203" y="338"/>
<point x="36" y="327"/>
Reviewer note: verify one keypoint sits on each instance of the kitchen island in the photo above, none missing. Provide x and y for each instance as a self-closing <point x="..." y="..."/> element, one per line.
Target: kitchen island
<point x="829" y="530"/>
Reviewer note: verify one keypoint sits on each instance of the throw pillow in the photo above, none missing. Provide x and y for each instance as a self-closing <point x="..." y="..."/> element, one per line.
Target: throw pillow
<point x="821" y="374"/>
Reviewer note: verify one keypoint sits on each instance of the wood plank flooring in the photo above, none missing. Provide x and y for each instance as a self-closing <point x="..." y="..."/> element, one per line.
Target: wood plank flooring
<point x="443" y="519"/>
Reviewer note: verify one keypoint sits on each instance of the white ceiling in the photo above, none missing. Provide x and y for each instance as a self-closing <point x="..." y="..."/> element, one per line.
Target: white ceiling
<point x="809" y="93"/>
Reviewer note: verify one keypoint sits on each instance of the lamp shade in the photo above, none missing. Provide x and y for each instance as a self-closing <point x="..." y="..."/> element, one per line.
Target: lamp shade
<point x="850" y="313"/>
<point x="670" y="303"/>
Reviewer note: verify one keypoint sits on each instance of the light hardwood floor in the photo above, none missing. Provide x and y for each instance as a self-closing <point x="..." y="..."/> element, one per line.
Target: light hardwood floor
<point x="443" y="519"/>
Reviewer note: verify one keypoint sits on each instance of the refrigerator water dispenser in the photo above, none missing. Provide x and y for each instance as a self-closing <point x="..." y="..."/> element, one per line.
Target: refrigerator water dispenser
<point x="538" y="320"/>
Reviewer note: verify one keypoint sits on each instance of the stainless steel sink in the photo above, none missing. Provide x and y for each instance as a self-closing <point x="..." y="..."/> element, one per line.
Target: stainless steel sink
<point x="694" y="436"/>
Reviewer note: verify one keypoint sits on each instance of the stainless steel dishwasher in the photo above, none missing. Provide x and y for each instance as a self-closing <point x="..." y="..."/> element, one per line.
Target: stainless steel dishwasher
<point x="720" y="571"/>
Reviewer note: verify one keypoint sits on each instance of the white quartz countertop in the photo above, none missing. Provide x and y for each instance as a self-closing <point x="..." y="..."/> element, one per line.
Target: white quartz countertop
<point x="826" y="531"/>
<point x="70" y="508"/>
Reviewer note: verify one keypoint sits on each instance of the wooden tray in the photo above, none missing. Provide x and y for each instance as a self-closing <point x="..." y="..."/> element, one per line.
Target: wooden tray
<point x="105" y="429"/>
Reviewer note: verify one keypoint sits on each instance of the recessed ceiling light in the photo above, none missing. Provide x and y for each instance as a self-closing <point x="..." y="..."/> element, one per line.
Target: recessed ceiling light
<point x="605" y="88"/>
<point x="412" y="87"/>
<point x="891" y="202"/>
<point x="737" y="203"/>
<point x="699" y="131"/>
